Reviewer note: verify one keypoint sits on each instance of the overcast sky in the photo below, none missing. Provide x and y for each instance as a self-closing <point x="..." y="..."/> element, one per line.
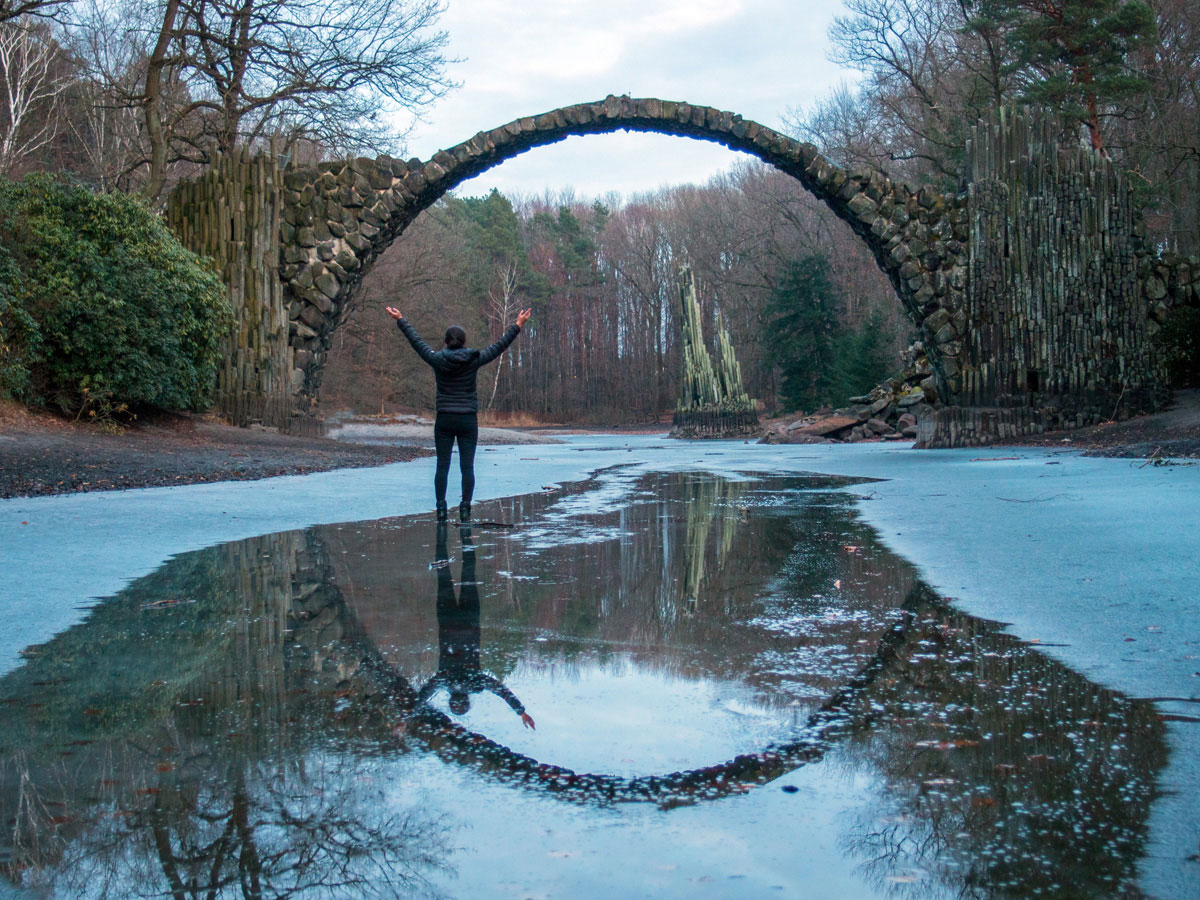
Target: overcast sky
<point x="523" y="57"/>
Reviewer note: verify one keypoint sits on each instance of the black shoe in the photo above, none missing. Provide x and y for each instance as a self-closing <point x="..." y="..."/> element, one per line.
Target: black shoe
<point x="464" y="512"/>
<point x="442" y="515"/>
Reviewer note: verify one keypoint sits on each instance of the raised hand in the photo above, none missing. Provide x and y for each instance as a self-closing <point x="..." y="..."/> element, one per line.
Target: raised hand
<point x="394" y="313"/>
<point x="523" y="317"/>
<point x="526" y="717"/>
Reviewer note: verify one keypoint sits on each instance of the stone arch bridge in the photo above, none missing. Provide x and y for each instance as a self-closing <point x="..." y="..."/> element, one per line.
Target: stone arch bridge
<point x="1031" y="287"/>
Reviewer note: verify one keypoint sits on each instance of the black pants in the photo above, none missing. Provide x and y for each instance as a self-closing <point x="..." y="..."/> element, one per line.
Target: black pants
<point x="446" y="429"/>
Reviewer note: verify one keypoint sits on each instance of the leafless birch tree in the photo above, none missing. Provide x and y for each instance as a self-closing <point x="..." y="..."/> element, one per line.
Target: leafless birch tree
<point x="32" y="83"/>
<point x="502" y="309"/>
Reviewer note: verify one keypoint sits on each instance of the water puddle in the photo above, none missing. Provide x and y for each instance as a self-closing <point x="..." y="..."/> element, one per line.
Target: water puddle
<point x="674" y="685"/>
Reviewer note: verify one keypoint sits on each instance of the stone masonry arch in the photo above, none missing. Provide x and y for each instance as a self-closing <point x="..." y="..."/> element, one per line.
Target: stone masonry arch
<point x="339" y="216"/>
<point x="1035" y="293"/>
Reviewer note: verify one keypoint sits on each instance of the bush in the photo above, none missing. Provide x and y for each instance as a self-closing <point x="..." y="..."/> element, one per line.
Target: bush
<point x="20" y="337"/>
<point x="100" y="304"/>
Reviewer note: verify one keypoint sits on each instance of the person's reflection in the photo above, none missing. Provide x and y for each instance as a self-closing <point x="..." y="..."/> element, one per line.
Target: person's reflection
<point x="459" y="671"/>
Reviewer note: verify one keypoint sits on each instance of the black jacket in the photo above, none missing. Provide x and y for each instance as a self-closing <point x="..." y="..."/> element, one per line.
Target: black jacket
<point x="455" y="370"/>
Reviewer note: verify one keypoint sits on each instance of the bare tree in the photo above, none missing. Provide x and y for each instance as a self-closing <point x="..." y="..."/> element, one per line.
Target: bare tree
<point x="1158" y="137"/>
<point x="931" y="68"/>
<point x="502" y="309"/>
<point x="46" y="9"/>
<point x="32" y="82"/>
<point x="104" y="125"/>
<point x="330" y="70"/>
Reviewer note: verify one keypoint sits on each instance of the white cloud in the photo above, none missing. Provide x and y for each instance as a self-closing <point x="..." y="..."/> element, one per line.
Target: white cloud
<point x="755" y="57"/>
<point x="565" y="41"/>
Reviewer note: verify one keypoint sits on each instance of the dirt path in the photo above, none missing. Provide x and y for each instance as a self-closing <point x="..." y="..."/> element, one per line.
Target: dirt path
<point x="40" y="454"/>
<point x="1175" y="432"/>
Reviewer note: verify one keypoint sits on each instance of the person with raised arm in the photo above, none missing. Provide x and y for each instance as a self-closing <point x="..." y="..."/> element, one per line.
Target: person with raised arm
<point x="454" y="369"/>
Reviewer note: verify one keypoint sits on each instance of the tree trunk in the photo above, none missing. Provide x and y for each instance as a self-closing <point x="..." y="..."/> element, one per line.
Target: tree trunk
<point x="152" y="97"/>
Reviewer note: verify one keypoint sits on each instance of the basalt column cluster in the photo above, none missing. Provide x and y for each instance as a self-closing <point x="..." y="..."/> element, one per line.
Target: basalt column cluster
<point x="1057" y="328"/>
<point x="712" y="401"/>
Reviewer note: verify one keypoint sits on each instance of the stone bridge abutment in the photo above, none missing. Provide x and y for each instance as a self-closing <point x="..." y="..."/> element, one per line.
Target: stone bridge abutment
<point x="1030" y="289"/>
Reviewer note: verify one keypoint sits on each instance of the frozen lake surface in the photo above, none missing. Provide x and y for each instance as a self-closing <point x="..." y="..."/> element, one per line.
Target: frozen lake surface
<point x="654" y="624"/>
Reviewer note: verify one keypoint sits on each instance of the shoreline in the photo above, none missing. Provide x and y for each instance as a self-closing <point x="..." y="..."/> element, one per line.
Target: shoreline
<point x="43" y="455"/>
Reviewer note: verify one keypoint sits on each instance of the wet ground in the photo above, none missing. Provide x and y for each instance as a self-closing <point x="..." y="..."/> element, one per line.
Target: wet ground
<point x="731" y="689"/>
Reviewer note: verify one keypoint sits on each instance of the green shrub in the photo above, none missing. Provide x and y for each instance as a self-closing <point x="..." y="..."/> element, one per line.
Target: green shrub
<point x="20" y="337"/>
<point x="105" y="305"/>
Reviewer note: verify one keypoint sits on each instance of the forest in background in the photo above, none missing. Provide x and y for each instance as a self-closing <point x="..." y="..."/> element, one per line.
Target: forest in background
<point x="603" y="344"/>
<point x="131" y="97"/>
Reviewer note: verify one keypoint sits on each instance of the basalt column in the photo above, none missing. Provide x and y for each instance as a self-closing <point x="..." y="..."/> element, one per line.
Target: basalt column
<point x="231" y="214"/>
<point x="1058" y="331"/>
<point x="712" y="402"/>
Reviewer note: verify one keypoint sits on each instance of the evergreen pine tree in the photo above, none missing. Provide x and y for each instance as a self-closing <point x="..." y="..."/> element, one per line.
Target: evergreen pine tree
<point x="1075" y="54"/>
<point x="802" y="333"/>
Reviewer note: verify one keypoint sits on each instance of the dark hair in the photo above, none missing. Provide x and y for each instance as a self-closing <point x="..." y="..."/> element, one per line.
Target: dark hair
<point x="455" y="337"/>
<point x="460" y="702"/>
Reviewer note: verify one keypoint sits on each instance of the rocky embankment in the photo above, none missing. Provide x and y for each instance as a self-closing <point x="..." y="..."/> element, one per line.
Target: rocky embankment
<point x="889" y="413"/>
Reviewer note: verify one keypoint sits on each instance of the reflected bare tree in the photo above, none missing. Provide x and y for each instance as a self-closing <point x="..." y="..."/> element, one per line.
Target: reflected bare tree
<point x="237" y="785"/>
<point x="296" y="829"/>
<point x="1005" y="773"/>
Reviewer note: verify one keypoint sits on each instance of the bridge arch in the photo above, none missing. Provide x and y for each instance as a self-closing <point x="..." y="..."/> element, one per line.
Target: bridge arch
<point x="338" y="217"/>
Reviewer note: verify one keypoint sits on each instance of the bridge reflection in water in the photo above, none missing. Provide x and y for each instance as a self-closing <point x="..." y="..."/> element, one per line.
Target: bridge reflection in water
<point x="238" y="723"/>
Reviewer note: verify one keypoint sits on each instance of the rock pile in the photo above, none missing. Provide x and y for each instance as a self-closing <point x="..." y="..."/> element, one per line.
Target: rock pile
<point x="1168" y="281"/>
<point x="890" y="412"/>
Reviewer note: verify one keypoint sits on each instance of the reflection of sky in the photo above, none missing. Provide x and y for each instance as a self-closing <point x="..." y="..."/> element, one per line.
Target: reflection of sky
<point x="766" y="843"/>
<point x="618" y="719"/>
